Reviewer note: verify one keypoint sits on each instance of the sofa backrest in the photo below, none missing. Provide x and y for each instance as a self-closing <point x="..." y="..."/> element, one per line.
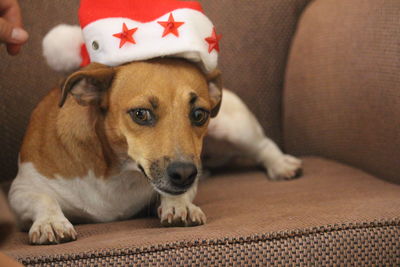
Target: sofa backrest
<point x="25" y="79"/>
<point x="342" y="91"/>
<point x="256" y="39"/>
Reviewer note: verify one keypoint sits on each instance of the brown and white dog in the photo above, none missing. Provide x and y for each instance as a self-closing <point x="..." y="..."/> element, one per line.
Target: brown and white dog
<point x="124" y="134"/>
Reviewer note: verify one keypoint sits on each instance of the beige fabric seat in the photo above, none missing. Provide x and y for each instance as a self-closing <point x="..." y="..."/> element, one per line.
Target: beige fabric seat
<point x="333" y="207"/>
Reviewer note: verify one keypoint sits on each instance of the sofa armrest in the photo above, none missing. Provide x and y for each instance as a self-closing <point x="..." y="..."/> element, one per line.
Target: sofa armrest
<point x="341" y="95"/>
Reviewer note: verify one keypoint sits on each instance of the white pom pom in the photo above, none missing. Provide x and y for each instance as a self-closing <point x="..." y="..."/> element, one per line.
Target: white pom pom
<point x="62" y="47"/>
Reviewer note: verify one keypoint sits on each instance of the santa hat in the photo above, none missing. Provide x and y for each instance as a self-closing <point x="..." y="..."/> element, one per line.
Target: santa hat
<point x="114" y="32"/>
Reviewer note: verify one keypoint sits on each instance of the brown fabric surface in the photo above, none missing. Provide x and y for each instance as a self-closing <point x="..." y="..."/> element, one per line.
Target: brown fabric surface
<point x="25" y="79"/>
<point x="254" y="50"/>
<point x="342" y="92"/>
<point x="368" y="244"/>
<point x="8" y="262"/>
<point x="249" y="214"/>
<point x="6" y="220"/>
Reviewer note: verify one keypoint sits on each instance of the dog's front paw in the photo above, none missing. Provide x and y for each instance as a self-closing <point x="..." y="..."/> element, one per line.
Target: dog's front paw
<point x="51" y="230"/>
<point x="285" y="168"/>
<point x="177" y="213"/>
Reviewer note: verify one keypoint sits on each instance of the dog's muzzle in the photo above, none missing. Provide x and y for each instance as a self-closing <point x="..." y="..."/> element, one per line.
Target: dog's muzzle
<point x="176" y="178"/>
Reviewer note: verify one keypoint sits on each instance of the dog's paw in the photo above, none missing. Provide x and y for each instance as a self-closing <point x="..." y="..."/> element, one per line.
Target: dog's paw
<point x="176" y="213"/>
<point x="51" y="230"/>
<point x="285" y="168"/>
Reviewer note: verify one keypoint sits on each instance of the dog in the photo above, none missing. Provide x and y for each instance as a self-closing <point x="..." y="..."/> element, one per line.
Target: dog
<point x="112" y="138"/>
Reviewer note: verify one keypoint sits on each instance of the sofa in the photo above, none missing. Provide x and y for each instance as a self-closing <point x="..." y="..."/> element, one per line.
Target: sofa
<point x="322" y="77"/>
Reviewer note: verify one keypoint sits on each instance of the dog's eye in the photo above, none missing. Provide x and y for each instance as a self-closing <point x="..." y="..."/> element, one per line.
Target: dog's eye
<point x="142" y="116"/>
<point x="199" y="116"/>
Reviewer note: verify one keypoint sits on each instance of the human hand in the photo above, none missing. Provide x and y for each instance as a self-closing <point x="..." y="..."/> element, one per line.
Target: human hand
<point x="11" y="31"/>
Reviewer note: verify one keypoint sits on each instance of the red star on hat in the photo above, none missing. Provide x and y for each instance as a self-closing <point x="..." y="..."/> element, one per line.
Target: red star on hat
<point x="171" y="26"/>
<point x="126" y="35"/>
<point x="213" y="41"/>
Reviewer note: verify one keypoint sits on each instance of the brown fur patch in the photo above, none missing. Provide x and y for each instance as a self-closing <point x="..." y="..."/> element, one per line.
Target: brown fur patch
<point x="63" y="141"/>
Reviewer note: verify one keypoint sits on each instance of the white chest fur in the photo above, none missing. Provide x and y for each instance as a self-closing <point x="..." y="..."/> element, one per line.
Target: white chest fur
<point x="89" y="198"/>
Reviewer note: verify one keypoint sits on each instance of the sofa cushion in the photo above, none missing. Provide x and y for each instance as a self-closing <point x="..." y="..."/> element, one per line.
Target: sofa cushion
<point x="335" y="214"/>
<point x="342" y="97"/>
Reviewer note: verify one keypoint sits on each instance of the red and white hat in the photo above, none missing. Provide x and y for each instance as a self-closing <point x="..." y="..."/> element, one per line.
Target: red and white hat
<point x="114" y="32"/>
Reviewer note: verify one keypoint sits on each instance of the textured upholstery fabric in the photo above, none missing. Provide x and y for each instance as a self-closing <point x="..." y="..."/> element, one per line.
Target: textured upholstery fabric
<point x="25" y="79"/>
<point x="342" y="92"/>
<point x="256" y="40"/>
<point x="340" y="245"/>
<point x="334" y="215"/>
<point x="8" y="262"/>
<point x="6" y="220"/>
<point x="254" y="49"/>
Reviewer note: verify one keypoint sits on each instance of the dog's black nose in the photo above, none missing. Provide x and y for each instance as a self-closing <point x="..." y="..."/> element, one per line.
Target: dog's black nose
<point x="182" y="174"/>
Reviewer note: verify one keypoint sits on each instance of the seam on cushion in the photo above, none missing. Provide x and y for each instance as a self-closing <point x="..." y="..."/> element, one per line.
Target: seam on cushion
<point x="305" y="9"/>
<point x="255" y="238"/>
<point x="301" y="8"/>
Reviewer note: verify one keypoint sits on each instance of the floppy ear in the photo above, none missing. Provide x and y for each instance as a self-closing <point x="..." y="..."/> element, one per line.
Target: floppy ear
<point x="215" y="91"/>
<point x="88" y="85"/>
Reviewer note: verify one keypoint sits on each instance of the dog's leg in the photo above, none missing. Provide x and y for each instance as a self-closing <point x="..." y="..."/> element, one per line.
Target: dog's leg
<point x="49" y="223"/>
<point x="180" y="211"/>
<point x="236" y="124"/>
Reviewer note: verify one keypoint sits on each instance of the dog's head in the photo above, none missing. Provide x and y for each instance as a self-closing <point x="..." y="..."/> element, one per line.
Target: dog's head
<point x="156" y="112"/>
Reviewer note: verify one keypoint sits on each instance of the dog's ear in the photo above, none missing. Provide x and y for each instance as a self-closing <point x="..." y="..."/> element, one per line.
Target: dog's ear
<point x="215" y="91"/>
<point x="88" y="85"/>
